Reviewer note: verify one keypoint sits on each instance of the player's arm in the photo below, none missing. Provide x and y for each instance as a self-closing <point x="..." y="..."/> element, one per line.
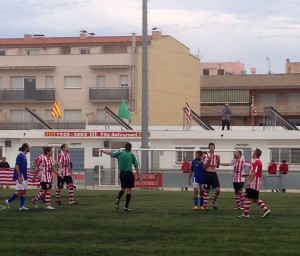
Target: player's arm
<point x="137" y="170"/>
<point x="190" y="174"/>
<point x="225" y="164"/>
<point x="56" y="172"/>
<point x="36" y="170"/>
<point x="105" y="151"/>
<point x="20" y="178"/>
<point x="251" y="178"/>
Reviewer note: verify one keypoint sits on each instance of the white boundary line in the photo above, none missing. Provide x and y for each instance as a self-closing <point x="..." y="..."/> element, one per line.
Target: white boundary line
<point x="2" y="207"/>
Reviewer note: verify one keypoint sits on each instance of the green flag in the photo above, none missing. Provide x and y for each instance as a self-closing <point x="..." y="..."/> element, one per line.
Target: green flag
<point x="123" y="111"/>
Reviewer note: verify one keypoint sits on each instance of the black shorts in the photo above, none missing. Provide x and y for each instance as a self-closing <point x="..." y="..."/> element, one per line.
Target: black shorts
<point x="46" y="185"/>
<point x="66" y="179"/>
<point x="127" y="179"/>
<point x="238" y="186"/>
<point x="251" y="193"/>
<point x="211" y="180"/>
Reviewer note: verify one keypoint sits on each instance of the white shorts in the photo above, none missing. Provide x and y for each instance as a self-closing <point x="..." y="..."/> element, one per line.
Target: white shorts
<point x="22" y="186"/>
<point x="198" y="185"/>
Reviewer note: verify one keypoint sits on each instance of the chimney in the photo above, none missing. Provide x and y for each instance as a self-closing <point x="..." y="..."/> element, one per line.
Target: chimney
<point x="83" y="34"/>
<point x="156" y="34"/>
<point x="27" y="37"/>
<point x="253" y="71"/>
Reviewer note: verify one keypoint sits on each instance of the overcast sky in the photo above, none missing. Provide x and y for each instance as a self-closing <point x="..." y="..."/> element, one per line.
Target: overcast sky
<point x="250" y="31"/>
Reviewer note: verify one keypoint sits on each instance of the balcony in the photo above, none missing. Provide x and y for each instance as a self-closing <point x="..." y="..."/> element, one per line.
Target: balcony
<point x="108" y="94"/>
<point x="36" y="125"/>
<point x="40" y="95"/>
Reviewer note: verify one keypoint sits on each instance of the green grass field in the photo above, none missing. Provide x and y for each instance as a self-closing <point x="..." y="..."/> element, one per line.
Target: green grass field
<point x="161" y="223"/>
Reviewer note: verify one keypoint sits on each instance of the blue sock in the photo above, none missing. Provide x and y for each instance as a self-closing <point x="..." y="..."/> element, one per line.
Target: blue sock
<point x="201" y="200"/>
<point x="196" y="201"/>
<point x="12" y="198"/>
<point x="22" y="201"/>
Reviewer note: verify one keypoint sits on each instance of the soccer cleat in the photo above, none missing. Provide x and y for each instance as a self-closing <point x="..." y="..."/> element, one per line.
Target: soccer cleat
<point x="214" y="207"/>
<point x="127" y="209"/>
<point x="239" y="208"/>
<point x="58" y="203"/>
<point x="7" y="204"/>
<point x="23" y="208"/>
<point x="49" y="208"/>
<point x="202" y="208"/>
<point x="243" y="216"/>
<point x="195" y="207"/>
<point x="117" y="203"/>
<point x="73" y="203"/>
<point x="35" y="204"/>
<point x="266" y="214"/>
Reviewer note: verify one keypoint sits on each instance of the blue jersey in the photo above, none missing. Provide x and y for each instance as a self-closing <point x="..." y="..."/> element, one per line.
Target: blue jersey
<point x="21" y="161"/>
<point x="198" y="171"/>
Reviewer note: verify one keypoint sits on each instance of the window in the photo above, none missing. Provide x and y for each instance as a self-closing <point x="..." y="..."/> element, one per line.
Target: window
<point x="2" y="53"/>
<point x="95" y="152"/>
<point x="123" y="80"/>
<point x="221" y="72"/>
<point x="73" y="82"/>
<point x="49" y="82"/>
<point x="48" y="115"/>
<point x="293" y="98"/>
<point x="77" y="158"/>
<point x="21" y="116"/>
<point x="206" y="72"/>
<point x="17" y="83"/>
<point x="100" y="81"/>
<point x="85" y="51"/>
<point x="72" y="116"/>
<point x="267" y="99"/>
<point x="184" y="153"/>
<point x="33" y="52"/>
<point x="291" y="155"/>
<point x="101" y="115"/>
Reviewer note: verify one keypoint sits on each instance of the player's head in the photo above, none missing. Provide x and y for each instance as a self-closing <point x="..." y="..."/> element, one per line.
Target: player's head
<point x="199" y="154"/>
<point x="128" y="146"/>
<point x="64" y="147"/>
<point x="48" y="151"/>
<point x="283" y="161"/>
<point x="237" y="154"/>
<point x="25" y="148"/>
<point x="211" y="147"/>
<point x="257" y="153"/>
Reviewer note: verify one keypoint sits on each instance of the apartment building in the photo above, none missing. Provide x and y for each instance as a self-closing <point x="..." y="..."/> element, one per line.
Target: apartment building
<point x="88" y="73"/>
<point x="281" y="91"/>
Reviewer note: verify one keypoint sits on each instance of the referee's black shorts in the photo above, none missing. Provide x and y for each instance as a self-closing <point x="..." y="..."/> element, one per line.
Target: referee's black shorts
<point x="127" y="179"/>
<point x="211" y="180"/>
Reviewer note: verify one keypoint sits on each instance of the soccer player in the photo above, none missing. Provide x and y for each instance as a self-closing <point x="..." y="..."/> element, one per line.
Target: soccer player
<point x="211" y="163"/>
<point x="253" y="187"/>
<point x="20" y="176"/>
<point x="238" y="177"/>
<point x="197" y="172"/>
<point x="64" y="163"/>
<point x="46" y="167"/>
<point x="125" y="161"/>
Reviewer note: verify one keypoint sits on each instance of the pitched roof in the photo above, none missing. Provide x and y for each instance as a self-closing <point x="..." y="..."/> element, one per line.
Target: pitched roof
<point x="36" y="41"/>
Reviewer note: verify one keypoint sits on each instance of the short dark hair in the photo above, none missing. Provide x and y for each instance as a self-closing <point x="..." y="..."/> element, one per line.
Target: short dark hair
<point x="211" y="144"/>
<point x="240" y="152"/>
<point x="257" y="152"/>
<point x="46" y="150"/>
<point x="128" y="146"/>
<point x="63" y="146"/>
<point x="199" y="152"/>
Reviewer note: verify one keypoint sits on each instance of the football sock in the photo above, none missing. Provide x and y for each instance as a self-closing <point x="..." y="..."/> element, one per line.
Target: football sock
<point x="57" y="194"/>
<point x="71" y="193"/>
<point x="214" y="199"/>
<point x="201" y="200"/>
<point x="196" y="200"/>
<point x="246" y="206"/>
<point x="241" y="195"/>
<point x="47" y="198"/>
<point x="128" y="197"/>
<point x="22" y="201"/>
<point x="12" y="198"/>
<point x="205" y="196"/>
<point x="262" y="205"/>
<point x="120" y="194"/>
<point x="237" y="201"/>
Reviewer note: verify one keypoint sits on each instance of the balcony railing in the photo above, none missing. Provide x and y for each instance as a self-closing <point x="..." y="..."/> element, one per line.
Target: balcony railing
<point x="108" y="94"/>
<point x="33" y="125"/>
<point x="7" y="95"/>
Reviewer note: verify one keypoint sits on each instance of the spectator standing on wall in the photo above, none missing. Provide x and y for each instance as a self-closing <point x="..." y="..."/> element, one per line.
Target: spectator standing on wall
<point x="4" y="164"/>
<point x="226" y="113"/>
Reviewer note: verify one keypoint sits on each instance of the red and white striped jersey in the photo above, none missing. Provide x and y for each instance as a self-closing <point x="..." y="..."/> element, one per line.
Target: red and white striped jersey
<point x="238" y="169"/>
<point x="64" y="160"/>
<point x="45" y="166"/>
<point x="257" y="168"/>
<point x="212" y="160"/>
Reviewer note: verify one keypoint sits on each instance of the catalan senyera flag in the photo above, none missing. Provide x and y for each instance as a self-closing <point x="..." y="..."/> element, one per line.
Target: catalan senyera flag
<point x="56" y="109"/>
<point x="188" y="113"/>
